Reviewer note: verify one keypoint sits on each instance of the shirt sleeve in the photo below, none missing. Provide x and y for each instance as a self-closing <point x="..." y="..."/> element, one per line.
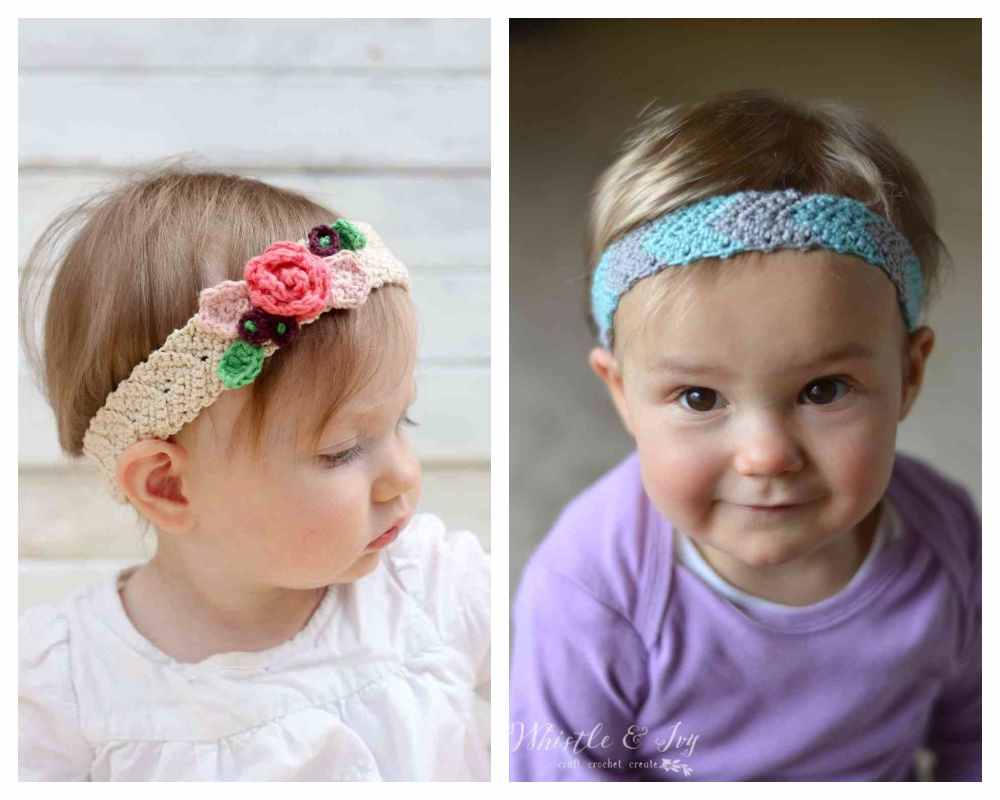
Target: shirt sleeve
<point x="455" y="589"/>
<point x="956" y="723"/>
<point x="578" y="675"/>
<point x="51" y="745"/>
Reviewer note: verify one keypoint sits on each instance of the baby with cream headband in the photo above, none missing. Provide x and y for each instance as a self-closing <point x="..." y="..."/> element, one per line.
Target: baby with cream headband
<point x="239" y="363"/>
<point x="765" y="567"/>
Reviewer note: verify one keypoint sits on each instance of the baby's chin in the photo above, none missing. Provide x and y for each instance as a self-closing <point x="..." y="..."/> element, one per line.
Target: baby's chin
<point x="365" y="565"/>
<point x="759" y="550"/>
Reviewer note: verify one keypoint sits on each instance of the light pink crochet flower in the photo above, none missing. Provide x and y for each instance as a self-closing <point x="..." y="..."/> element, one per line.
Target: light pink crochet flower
<point x="349" y="285"/>
<point x="289" y="281"/>
<point x="221" y="306"/>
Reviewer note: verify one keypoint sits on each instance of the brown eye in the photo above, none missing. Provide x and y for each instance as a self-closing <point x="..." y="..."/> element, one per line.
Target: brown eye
<point x="824" y="391"/>
<point x="699" y="398"/>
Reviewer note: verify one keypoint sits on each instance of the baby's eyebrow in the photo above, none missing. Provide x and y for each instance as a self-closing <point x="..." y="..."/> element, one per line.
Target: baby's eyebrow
<point x="840" y="353"/>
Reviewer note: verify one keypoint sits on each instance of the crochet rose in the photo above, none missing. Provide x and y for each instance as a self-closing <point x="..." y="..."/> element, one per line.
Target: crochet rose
<point x="324" y="241"/>
<point x="288" y="281"/>
<point x="283" y="330"/>
<point x="240" y="364"/>
<point x="255" y="326"/>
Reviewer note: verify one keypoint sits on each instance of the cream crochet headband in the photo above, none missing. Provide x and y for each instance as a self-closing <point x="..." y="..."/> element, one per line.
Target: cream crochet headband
<point x="238" y="325"/>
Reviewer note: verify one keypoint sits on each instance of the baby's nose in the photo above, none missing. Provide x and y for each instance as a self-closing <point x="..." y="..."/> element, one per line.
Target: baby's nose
<point x="768" y="449"/>
<point x="400" y="474"/>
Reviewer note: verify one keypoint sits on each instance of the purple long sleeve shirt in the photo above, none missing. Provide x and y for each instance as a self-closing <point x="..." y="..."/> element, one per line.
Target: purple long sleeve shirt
<point x="627" y="666"/>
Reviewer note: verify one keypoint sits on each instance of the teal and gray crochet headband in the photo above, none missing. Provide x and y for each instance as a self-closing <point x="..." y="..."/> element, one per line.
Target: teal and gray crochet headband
<point x="722" y="226"/>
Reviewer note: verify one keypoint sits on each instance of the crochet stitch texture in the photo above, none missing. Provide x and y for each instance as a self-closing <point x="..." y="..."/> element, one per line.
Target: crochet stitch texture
<point x="207" y="356"/>
<point x="722" y="226"/>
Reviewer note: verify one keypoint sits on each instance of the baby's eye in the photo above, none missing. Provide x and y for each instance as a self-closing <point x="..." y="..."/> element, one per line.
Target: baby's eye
<point x="341" y="458"/>
<point x="405" y="420"/>
<point x="699" y="398"/>
<point x="824" y="391"/>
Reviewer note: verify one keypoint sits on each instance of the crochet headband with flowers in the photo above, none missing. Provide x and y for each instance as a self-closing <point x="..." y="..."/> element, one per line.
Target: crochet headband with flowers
<point x="721" y="226"/>
<point x="238" y="325"/>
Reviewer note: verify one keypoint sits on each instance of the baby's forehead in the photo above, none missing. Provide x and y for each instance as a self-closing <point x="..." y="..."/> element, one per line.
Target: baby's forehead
<point x="776" y="363"/>
<point x="374" y="408"/>
<point x="373" y="402"/>
<point x="786" y="306"/>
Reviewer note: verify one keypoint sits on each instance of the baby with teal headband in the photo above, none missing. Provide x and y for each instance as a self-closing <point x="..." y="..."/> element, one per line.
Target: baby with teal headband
<point x="765" y="589"/>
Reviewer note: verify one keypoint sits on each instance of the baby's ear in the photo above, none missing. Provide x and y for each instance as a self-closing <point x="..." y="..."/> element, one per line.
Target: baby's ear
<point x="604" y="363"/>
<point x="920" y="345"/>
<point x="151" y="472"/>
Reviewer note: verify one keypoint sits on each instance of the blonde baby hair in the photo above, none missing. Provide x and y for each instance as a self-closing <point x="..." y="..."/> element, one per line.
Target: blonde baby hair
<point x="751" y="140"/>
<point x="122" y="269"/>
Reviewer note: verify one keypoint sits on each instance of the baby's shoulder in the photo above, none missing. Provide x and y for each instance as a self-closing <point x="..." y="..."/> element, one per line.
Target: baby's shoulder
<point x="43" y="639"/>
<point x="56" y="637"/>
<point x="445" y="571"/>
<point x="52" y="743"/>
<point x="942" y="513"/>
<point x="609" y="543"/>
<point x="426" y="552"/>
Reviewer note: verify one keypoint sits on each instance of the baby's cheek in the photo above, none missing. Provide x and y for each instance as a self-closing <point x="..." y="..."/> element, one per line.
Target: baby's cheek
<point x="308" y="525"/>
<point x="677" y="478"/>
<point x="320" y="547"/>
<point x="862" y="463"/>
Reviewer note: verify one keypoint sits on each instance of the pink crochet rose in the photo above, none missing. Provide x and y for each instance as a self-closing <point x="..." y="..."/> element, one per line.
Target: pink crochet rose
<point x="289" y="281"/>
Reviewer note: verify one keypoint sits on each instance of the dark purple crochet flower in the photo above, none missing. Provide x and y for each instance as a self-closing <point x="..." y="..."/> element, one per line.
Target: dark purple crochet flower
<point x="255" y="326"/>
<point x="324" y="241"/>
<point x="283" y="330"/>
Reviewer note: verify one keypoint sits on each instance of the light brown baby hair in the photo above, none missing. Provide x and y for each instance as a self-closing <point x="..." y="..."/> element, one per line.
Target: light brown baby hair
<point x="759" y="140"/>
<point x="126" y="266"/>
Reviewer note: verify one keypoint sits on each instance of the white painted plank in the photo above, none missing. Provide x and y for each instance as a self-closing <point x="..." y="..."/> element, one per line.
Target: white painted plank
<point x="452" y="408"/>
<point x="453" y="313"/>
<point x="293" y="120"/>
<point x="50" y="582"/>
<point x="441" y="221"/>
<point x="429" y="221"/>
<point x="254" y="44"/>
<point x="66" y="514"/>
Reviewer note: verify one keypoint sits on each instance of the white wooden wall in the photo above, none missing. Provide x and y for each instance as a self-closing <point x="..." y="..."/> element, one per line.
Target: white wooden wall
<point x="385" y="121"/>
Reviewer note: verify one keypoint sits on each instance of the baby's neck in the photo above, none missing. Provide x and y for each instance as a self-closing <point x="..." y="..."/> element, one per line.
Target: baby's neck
<point x="803" y="581"/>
<point x="191" y="625"/>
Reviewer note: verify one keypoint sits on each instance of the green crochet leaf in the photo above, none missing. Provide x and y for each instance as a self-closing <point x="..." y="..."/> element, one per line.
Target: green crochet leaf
<point x="240" y="364"/>
<point x="350" y="237"/>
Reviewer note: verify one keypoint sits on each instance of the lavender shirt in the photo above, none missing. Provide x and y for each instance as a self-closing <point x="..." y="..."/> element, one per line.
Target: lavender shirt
<point x="627" y="666"/>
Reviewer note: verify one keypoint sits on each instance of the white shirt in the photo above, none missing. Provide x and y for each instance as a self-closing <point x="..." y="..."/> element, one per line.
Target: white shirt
<point x="887" y="530"/>
<point x="388" y="680"/>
